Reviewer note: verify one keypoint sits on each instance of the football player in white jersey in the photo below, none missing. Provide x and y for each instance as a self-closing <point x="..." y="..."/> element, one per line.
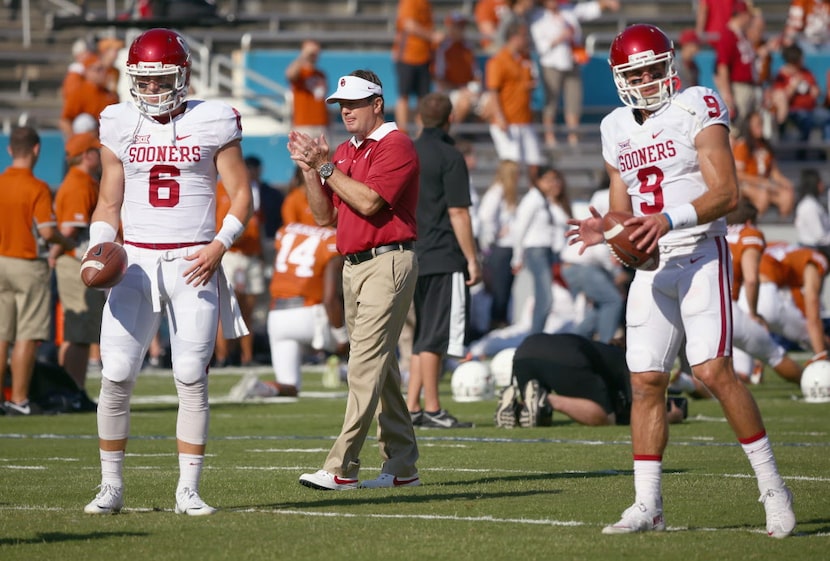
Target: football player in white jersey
<point x="161" y="156"/>
<point x="670" y="164"/>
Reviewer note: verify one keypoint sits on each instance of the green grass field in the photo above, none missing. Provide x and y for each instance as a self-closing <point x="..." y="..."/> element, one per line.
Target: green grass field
<point x="487" y="493"/>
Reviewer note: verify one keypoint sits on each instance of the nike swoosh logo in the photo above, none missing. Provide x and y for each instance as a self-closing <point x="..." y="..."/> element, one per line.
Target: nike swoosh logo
<point x="656" y="134"/>
<point x="341" y="161"/>
<point x="341" y="481"/>
<point x="99" y="251"/>
<point x="397" y="482"/>
<point x="694" y="260"/>
<point x="183" y="137"/>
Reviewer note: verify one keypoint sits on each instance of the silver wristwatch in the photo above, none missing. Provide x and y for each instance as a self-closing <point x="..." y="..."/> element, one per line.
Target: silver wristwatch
<point x="326" y="170"/>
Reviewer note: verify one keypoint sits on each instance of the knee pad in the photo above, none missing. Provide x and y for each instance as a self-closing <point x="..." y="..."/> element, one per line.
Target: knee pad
<point x="189" y="369"/>
<point x="194" y="412"/>
<point x="119" y="368"/>
<point x="114" y="409"/>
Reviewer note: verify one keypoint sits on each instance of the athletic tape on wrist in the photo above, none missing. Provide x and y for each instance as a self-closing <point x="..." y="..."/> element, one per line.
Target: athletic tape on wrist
<point x="230" y="231"/>
<point x="683" y="216"/>
<point x="100" y="231"/>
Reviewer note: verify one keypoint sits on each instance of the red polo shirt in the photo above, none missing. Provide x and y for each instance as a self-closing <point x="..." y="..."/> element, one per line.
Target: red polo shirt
<point x="387" y="162"/>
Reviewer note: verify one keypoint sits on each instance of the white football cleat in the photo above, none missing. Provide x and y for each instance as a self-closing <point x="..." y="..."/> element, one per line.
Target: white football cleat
<point x="189" y="502"/>
<point x="778" y="503"/>
<point x="325" y="481"/>
<point x="387" y="480"/>
<point x="109" y="500"/>
<point x="638" y="518"/>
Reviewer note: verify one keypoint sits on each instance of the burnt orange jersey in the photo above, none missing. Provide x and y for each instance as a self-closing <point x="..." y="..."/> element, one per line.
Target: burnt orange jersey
<point x="302" y="253"/>
<point x="785" y="264"/>
<point x="757" y="162"/>
<point x="309" y="91"/>
<point x="455" y="63"/>
<point x="27" y="205"/>
<point x="295" y="208"/>
<point x="511" y="77"/>
<point x="742" y="237"/>
<point x="249" y="243"/>
<point x="74" y="203"/>
<point x="408" y="48"/>
<point x="87" y="98"/>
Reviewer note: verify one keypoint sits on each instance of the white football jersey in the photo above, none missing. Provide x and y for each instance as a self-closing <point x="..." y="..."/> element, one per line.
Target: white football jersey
<point x="658" y="161"/>
<point x="169" y="169"/>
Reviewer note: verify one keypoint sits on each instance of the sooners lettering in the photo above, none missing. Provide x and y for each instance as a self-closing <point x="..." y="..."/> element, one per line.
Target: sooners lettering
<point x="164" y="154"/>
<point x="647" y="155"/>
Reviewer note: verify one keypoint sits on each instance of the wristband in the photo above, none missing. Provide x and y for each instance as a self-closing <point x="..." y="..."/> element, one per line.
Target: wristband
<point x="340" y="335"/>
<point x="683" y="216"/>
<point x="231" y="229"/>
<point x="100" y="231"/>
<point x="671" y="224"/>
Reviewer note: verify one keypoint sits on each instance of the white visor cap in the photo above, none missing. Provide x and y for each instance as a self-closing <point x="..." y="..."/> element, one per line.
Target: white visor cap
<point x="351" y="88"/>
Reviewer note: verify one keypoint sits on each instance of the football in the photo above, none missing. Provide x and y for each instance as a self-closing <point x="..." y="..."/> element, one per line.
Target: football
<point x="104" y="265"/>
<point x="616" y="236"/>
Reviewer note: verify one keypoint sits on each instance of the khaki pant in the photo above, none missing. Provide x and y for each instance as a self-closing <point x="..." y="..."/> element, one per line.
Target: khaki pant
<point x="377" y="296"/>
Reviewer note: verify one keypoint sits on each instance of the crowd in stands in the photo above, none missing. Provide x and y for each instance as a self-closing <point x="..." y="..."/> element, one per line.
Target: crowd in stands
<point x="527" y="43"/>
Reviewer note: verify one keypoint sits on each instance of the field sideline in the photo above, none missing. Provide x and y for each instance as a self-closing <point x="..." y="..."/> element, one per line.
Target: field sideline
<point x="488" y="493"/>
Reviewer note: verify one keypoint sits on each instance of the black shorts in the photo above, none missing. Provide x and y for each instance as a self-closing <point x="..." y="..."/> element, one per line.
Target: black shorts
<point x="442" y="309"/>
<point x="413" y="79"/>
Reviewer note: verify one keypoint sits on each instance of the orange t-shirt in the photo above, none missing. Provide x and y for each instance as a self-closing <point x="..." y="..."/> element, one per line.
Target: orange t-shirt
<point x="27" y="205"/>
<point x="87" y="98"/>
<point x="489" y="11"/>
<point x="455" y="63"/>
<point x="295" y="208"/>
<point x="71" y="82"/>
<point x="785" y="265"/>
<point x="249" y="243"/>
<point x="407" y="48"/>
<point x="309" y="91"/>
<point x="302" y="253"/>
<point x="758" y="162"/>
<point x="511" y="77"/>
<point x="75" y="201"/>
<point x="742" y="237"/>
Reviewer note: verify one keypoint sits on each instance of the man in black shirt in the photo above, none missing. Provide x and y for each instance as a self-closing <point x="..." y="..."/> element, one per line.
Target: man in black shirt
<point x="586" y="380"/>
<point x="448" y="261"/>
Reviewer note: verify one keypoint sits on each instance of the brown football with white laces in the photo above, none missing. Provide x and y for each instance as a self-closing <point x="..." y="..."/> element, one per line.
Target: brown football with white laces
<point x="617" y="237"/>
<point x="104" y="265"/>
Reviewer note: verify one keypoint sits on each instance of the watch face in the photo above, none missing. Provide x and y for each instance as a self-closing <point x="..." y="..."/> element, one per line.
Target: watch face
<point x="326" y="170"/>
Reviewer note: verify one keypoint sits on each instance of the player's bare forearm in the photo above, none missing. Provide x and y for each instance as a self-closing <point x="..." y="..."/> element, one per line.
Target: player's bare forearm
<point x="717" y="165"/>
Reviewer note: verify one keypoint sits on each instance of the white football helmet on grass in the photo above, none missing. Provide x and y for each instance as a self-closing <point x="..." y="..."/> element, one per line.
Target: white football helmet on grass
<point x="815" y="382"/>
<point x="472" y="381"/>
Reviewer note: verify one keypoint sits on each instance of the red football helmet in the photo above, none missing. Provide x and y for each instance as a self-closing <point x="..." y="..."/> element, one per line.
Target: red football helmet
<point x="634" y="49"/>
<point x="158" y="54"/>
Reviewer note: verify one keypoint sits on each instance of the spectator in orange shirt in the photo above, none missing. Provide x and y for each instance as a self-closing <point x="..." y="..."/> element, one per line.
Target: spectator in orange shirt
<point x="108" y="49"/>
<point x="759" y="177"/>
<point x="510" y="80"/>
<point x="75" y="72"/>
<point x="295" y="206"/>
<point x="808" y="24"/>
<point x="81" y="306"/>
<point x="308" y="87"/>
<point x="412" y="53"/>
<point x="90" y="97"/>
<point x="25" y="299"/>
<point x="455" y="68"/>
<point x="243" y="267"/>
<point x="488" y="14"/>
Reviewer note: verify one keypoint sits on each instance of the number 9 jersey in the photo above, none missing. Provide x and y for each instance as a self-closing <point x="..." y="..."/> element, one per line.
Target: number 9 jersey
<point x="169" y="169"/>
<point x="658" y="160"/>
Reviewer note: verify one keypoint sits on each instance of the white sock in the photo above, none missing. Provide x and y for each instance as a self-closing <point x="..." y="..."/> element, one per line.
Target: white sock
<point x="112" y="468"/>
<point x="190" y="471"/>
<point x="762" y="461"/>
<point x="647" y="483"/>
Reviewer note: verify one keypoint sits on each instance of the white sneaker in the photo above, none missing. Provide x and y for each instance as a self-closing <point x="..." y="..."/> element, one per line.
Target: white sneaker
<point x="387" y="480"/>
<point x="638" y="518"/>
<point x="778" y="504"/>
<point x="109" y="500"/>
<point x="505" y="416"/>
<point x="189" y="502"/>
<point x="250" y="387"/>
<point x="325" y="481"/>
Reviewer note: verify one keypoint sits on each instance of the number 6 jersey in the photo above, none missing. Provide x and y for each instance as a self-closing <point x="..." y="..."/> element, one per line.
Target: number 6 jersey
<point x="169" y="169"/>
<point x="658" y="161"/>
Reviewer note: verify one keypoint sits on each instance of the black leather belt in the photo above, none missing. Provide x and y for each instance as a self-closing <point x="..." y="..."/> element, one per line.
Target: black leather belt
<point x="361" y="256"/>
